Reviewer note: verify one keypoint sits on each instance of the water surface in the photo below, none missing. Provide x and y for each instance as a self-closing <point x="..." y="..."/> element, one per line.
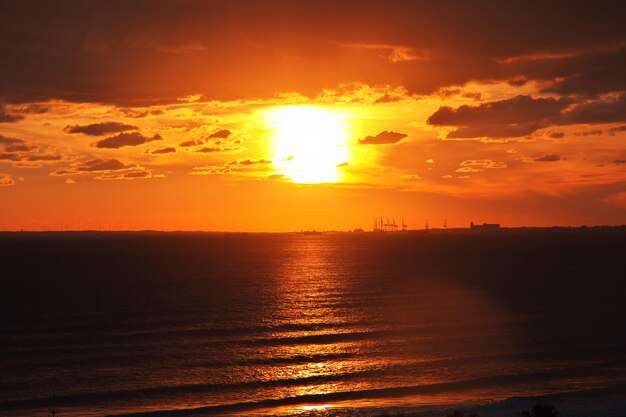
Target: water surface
<point x="287" y="324"/>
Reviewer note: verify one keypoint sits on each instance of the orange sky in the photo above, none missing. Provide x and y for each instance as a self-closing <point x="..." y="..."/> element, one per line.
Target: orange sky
<point x="277" y="116"/>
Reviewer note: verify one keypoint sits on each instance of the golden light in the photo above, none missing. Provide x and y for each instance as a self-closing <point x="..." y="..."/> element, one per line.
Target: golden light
<point x="309" y="143"/>
<point x="316" y="407"/>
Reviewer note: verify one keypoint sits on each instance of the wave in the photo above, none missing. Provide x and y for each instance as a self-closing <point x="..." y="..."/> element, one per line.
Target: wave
<point x="18" y="344"/>
<point x="446" y="387"/>
<point x="482" y="382"/>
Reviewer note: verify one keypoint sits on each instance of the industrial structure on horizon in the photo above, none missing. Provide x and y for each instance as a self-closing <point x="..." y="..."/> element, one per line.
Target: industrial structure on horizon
<point x="485" y="227"/>
<point x="381" y="226"/>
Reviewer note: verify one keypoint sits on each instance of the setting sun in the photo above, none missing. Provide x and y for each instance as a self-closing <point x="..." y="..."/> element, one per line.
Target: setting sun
<point x="312" y="208"/>
<point x="309" y="143"/>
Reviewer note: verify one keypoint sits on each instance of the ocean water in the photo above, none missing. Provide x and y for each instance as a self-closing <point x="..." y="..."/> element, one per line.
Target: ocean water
<point x="101" y="324"/>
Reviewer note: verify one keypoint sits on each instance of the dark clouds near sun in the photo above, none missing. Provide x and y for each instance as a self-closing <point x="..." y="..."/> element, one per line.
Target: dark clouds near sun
<point x="131" y="53"/>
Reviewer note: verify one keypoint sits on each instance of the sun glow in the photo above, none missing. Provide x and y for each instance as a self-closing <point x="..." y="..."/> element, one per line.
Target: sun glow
<point x="309" y="143"/>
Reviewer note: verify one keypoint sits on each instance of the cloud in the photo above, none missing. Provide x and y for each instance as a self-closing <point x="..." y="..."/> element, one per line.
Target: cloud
<point x="41" y="157"/>
<point x="99" y="129"/>
<point x="513" y="117"/>
<point x="248" y="162"/>
<point x="217" y="149"/>
<point x="518" y="81"/>
<point x="102" y="165"/>
<point x="613" y="130"/>
<point x="192" y="142"/>
<point x="70" y="181"/>
<point x="31" y="108"/>
<point x="9" y="156"/>
<point x="124" y="176"/>
<point x="213" y="139"/>
<point x="483" y="164"/>
<point x="556" y="135"/>
<point x="14" y="145"/>
<point x="591" y="73"/>
<point x="19" y="150"/>
<point x="387" y="98"/>
<point x="125" y="139"/>
<point x="599" y="111"/>
<point x="17" y="157"/>
<point x="410" y="177"/>
<point x="106" y="169"/>
<point x="8" y="118"/>
<point x="383" y="138"/>
<point x="495" y="131"/>
<point x="468" y="169"/>
<point x="137" y="113"/>
<point x="246" y="166"/>
<point x="94" y="165"/>
<point x="433" y="45"/>
<point x="551" y="157"/>
<point x="592" y="132"/>
<point x="162" y="151"/>
<point x="513" y="111"/>
<point x="6" y="180"/>
<point x="220" y="134"/>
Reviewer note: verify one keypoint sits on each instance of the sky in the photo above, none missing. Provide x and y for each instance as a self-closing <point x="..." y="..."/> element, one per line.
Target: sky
<point x="287" y="115"/>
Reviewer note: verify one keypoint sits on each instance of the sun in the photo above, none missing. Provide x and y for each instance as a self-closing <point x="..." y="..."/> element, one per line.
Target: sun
<point x="309" y="143"/>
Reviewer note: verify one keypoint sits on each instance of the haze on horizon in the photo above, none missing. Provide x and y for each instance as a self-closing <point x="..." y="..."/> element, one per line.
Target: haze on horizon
<point x="278" y="116"/>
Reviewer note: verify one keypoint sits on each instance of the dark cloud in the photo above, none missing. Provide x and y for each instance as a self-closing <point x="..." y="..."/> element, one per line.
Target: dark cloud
<point x="125" y="139"/>
<point x="383" y="138"/>
<point x="18" y="150"/>
<point x="15" y="145"/>
<point x="495" y="131"/>
<point x="192" y="142"/>
<point x="613" y="130"/>
<point x="248" y="162"/>
<point x="117" y="53"/>
<point x="551" y="157"/>
<point x="10" y="156"/>
<point x="516" y="110"/>
<point x="518" y="81"/>
<point x="386" y="98"/>
<point x="32" y="108"/>
<point x="99" y="129"/>
<point x="556" y="135"/>
<point x="8" y="118"/>
<point x="102" y="165"/>
<point x="220" y="134"/>
<point x="472" y="95"/>
<point x="161" y="151"/>
<point x="590" y="74"/>
<point x="95" y="166"/>
<point x="41" y="157"/>
<point x="620" y="161"/>
<point x="514" y="117"/>
<point x="592" y="132"/>
<point x="216" y="149"/>
<point x="599" y="111"/>
<point x="139" y="113"/>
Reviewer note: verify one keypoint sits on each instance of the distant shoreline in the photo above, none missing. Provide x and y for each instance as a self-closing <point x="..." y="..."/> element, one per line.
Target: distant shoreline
<point x="503" y="230"/>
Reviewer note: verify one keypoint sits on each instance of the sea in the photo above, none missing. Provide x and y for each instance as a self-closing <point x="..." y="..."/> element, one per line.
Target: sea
<point x="334" y="324"/>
